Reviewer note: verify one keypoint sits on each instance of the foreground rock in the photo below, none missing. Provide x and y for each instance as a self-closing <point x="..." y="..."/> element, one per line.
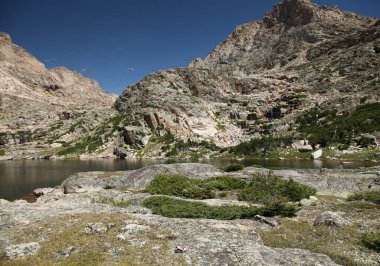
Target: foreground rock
<point x="89" y="213"/>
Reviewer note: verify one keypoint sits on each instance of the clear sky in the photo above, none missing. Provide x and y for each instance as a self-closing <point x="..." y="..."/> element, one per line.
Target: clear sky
<point x="118" y="42"/>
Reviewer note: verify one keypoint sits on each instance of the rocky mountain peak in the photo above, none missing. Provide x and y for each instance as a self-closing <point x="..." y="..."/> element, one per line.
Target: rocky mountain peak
<point x="5" y="37"/>
<point x="291" y="13"/>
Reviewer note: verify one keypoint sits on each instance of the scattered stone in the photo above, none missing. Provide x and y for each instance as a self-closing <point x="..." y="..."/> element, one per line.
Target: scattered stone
<point x="180" y="249"/>
<point x="270" y="221"/>
<point x="22" y="250"/>
<point x="134" y="228"/>
<point x="331" y="219"/>
<point x="67" y="252"/>
<point x="308" y="202"/>
<point x="96" y="228"/>
<point x="42" y="191"/>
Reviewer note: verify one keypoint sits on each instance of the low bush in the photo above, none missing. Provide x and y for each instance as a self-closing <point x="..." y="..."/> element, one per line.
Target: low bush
<point x="372" y="196"/>
<point x="186" y="209"/>
<point x="182" y="186"/>
<point x="264" y="189"/>
<point x="261" y="146"/>
<point x="371" y="240"/>
<point x="234" y="167"/>
<point x="2" y="152"/>
<point x="327" y="127"/>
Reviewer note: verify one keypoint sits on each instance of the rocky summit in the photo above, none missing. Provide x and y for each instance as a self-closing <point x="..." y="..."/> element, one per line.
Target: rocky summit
<point x="302" y="65"/>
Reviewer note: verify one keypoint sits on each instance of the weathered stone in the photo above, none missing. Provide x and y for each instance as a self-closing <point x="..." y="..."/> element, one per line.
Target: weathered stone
<point x="67" y="252"/>
<point x="150" y="119"/>
<point x="22" y="250"/>
<point x="42" y="191"/>
<point x="331" y="219"/>
<point x="120" y="152"/>
<point x="308" y="202"/>
<point x="270" y="221"/>
<point x="96" y="228"/>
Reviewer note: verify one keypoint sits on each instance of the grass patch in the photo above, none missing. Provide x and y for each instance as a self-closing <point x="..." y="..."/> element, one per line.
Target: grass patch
<point x="264" y="189"/>
<point x="234" y="167"/>
<point x="338" y="243"/>
<point x="182" y="186"/>
<point x="372" y="196"/>
<point x="175" y="208"/>
<point x="2" y="152"/>
<point x="115" y="203"/>
<point x="371" y="240"/>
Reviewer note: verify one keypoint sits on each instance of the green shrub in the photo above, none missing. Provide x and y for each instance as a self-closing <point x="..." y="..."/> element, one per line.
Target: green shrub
<point x="108" y="187"/>
<point x="234" y="167"/>
<point x="373" y="196"/>
<point x="326" y="127"/>
<point x="2" y="152"/>
<point x="178" y="185"/>
<point x="186" y="209"/>
<point x="182" y="186"/>
<point x="371" y="240"/>
<point x="264" y="189"/>
<point x="261" y="146"/>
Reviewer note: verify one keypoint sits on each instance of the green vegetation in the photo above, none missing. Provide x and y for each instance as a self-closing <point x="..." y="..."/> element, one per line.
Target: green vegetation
<point x="372" y="196"/>
<point x="182" y="186"/>
<point x="234" y="167"/>
<point x="371" y="240"/>
<point x="115" y="203"/>
<point x="264" y="189"/>
<point x="328" y="127"/>
<point x="2" y="152"/>
<point x="186" y="209"/>
<point x="186" y="146"/>
<point x="261" y="146"/>
<point x="108" y="187"/>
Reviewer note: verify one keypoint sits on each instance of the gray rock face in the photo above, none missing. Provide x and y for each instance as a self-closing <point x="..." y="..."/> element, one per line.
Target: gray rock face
<point x="331" y="219"/>
<point x="137" y="179"/>
<point x="22" y="250"/>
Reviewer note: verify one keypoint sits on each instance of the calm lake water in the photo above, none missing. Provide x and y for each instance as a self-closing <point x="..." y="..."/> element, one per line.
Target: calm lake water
<point x="21" y="177"/>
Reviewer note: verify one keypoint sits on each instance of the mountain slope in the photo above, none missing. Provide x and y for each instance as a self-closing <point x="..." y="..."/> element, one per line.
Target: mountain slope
<point x="263" y="76"/>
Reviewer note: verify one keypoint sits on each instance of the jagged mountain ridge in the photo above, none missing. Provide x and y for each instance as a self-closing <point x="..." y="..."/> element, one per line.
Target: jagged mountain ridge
<point x="327" y="56"/>
<point x="22" y="75"/>
<point x="34" y="99"/>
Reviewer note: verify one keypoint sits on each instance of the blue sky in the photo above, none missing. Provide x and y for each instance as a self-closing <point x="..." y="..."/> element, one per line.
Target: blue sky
<point x="118" y="42"/>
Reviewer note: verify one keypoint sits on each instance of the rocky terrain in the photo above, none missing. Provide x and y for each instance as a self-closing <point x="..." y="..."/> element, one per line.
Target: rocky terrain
<point x="34" y="99"/>
<point x="99" y="218"/>
<point x="302" y="65"/>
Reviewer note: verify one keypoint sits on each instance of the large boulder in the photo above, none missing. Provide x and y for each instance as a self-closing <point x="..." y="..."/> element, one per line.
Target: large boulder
<point x="135" y="179"/>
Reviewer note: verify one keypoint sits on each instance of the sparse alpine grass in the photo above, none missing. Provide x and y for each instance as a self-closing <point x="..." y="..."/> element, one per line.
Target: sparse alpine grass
<point x="182" y="186"/>
<point x="372" y="196"/>
<point x="175" y="208"/>
<point x="264" y="189"/>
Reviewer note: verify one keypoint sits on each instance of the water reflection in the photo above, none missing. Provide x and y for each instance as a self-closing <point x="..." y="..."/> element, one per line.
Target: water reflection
<point x="20" y="177"/>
